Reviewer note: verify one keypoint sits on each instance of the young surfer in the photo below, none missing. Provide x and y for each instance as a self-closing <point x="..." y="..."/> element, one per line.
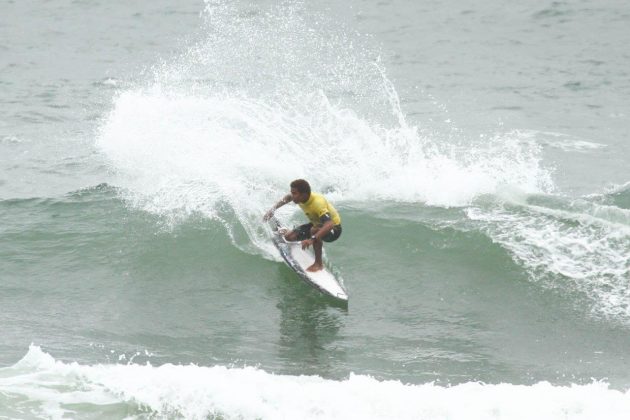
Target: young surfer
<point x="325" y="223"/>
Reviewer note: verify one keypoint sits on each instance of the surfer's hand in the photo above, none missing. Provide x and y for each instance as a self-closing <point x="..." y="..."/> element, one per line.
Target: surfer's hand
<point x="268" y="215"/>
<point x="306" y="243"/>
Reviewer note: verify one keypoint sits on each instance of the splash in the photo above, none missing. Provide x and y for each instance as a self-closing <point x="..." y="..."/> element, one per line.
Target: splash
<point x="271" y="95"/>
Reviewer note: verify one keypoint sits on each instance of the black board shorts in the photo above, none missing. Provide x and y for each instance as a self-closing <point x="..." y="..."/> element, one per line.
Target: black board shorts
<point x="304" y="232"/>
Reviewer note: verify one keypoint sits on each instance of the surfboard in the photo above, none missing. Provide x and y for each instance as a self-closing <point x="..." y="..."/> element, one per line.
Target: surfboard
<point x="299" y="260"/>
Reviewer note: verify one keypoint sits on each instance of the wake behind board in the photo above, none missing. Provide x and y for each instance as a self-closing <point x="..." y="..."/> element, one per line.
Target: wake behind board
<point x="299" y="260"/>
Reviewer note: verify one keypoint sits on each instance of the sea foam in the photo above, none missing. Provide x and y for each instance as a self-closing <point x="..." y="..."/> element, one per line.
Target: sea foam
<point x="40" y="384"/>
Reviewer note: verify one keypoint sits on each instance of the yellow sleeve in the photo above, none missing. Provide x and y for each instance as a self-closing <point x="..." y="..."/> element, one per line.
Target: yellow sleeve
<point x="322" y="207"/>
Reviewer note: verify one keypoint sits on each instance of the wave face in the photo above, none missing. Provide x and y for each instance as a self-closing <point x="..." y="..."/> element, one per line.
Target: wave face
<point x="39" y="385"/>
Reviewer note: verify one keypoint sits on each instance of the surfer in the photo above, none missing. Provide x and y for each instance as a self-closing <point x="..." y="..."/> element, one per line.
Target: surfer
<point x="324" y="221"/>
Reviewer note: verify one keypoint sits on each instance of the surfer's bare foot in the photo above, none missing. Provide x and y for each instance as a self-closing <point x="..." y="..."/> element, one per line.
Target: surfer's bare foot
<point x="315" y="267"/>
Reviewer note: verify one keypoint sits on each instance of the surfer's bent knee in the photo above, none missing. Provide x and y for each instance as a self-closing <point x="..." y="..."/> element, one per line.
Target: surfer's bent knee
<point x="333" y="234"/>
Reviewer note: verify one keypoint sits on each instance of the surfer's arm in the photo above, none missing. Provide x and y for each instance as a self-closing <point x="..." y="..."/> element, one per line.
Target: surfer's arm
<point x="279" y="204"/>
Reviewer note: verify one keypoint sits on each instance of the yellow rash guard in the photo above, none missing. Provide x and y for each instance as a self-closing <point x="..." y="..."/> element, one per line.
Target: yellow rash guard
<point x="316" y="206"/>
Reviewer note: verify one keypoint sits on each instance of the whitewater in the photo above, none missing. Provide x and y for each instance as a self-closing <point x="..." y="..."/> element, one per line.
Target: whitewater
<point x="41" y="385"/>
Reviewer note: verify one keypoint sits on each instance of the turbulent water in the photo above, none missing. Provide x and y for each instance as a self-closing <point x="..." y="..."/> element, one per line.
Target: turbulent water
<point x="477" y="154"/>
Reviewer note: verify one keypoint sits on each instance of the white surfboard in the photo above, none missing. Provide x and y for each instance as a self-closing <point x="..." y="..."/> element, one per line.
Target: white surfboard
<point x="299" y="260"/>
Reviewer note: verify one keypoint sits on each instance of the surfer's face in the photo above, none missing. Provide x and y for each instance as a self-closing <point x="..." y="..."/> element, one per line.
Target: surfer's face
<point x="297" y="196"/>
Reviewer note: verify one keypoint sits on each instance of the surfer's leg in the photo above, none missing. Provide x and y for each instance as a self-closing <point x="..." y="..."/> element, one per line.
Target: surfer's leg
<point x="317" y="247"/>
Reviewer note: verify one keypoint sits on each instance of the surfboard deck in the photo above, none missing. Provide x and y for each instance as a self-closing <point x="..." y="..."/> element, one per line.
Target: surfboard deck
<point x="299" y="260"/>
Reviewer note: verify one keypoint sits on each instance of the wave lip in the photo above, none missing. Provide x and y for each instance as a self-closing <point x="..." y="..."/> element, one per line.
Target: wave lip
<point x="199" y="392"/>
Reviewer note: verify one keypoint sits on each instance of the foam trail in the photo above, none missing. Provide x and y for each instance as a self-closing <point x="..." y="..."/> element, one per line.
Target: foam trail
<point x="579" y="246"/>
<point x="53" y="388"/>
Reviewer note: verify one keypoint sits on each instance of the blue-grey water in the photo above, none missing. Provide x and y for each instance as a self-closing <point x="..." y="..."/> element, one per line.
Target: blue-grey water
<point x="477" y="153"/>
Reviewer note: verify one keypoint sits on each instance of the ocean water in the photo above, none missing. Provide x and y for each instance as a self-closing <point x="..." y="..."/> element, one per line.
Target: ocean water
<point x="477" y="153"/>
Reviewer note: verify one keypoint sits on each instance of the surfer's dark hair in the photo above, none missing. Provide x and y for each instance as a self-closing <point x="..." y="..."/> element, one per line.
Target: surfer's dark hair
<point x="302" y="186"/>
